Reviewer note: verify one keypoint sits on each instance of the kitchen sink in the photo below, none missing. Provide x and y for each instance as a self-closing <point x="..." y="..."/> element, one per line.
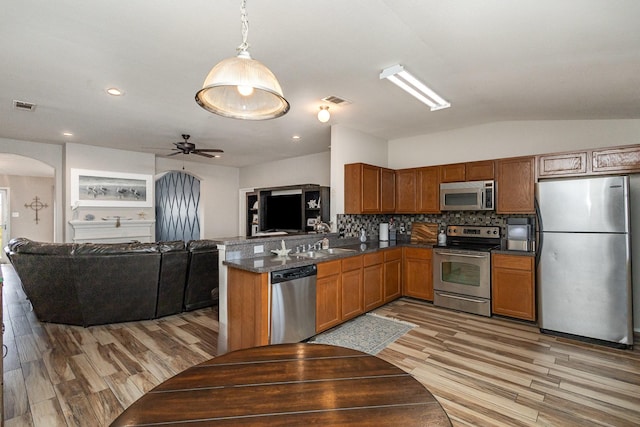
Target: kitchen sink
<point x="323" y="253"/>
<point x="336" y="251"/>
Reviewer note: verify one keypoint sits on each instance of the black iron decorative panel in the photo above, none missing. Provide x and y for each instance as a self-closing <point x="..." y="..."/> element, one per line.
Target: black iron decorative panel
<point x="177" y="204"/>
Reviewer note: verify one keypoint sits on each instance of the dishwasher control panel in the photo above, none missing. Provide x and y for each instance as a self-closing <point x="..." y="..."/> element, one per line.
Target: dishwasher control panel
<point x="293" y="273"/>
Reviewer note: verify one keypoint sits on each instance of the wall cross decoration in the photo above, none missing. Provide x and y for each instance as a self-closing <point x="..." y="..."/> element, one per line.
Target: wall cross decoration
<point x="37" y="206"/>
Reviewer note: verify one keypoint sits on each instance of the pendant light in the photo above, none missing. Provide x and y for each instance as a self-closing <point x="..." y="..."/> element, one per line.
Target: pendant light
<point x="241" y="87"/>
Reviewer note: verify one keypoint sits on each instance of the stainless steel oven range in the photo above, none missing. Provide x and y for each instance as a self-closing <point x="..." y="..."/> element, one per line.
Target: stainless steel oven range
<point x="462" y="269"/>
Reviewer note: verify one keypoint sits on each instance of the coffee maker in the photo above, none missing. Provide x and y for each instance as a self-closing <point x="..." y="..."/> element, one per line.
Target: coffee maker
<point x="520" y="233"/>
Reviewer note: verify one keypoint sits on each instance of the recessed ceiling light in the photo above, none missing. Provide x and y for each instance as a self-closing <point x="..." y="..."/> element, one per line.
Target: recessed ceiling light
<point x="67" y="133"/>
<point x="115" y="91"/>
<point x="296" y="138"/>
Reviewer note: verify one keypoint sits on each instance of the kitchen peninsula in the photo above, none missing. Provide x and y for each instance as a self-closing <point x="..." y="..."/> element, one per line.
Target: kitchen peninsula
<point x="245" y="266"/>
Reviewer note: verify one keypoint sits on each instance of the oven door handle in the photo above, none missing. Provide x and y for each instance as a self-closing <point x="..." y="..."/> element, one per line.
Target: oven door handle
<point x="484" y="301"/>
<point x="462" y="255"/>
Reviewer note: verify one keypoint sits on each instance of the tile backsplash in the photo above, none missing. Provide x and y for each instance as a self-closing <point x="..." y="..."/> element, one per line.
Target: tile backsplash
<point x="350" y="225"/>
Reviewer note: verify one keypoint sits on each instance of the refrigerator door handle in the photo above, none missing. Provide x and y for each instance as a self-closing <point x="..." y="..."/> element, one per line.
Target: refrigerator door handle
<point x="539" y="232"/>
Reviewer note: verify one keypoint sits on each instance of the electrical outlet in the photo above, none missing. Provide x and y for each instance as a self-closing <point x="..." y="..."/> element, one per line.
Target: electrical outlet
<point x="258" y="249"/>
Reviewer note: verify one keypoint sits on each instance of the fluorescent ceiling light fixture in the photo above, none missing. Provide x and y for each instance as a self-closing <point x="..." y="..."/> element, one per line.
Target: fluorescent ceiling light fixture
<point x="403" y="79"/>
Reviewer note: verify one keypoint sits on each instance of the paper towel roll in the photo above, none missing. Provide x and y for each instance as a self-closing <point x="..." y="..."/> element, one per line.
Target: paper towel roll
<point x="384" y="232"/>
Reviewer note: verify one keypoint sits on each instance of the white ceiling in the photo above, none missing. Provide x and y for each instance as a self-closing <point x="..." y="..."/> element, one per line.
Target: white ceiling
<point x="493" y="60"/>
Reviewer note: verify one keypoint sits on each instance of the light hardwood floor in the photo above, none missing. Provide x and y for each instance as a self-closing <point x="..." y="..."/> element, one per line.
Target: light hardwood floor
<point x="484" y="371"/>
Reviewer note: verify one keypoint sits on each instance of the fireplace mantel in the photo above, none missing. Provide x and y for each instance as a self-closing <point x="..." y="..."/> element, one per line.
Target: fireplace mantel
<point x="107" y="231"/>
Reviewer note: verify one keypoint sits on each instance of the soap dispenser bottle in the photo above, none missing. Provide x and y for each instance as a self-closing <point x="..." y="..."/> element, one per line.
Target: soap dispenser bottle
<point x="363" y="235"/>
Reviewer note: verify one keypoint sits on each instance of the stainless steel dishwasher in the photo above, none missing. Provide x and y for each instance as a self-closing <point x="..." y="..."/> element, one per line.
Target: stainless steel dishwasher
<point x="293" y="304"/>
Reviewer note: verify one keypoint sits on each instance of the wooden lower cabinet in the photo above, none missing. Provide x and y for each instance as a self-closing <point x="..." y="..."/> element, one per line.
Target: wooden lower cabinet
<point x="417" y="273"/>
<point x="247" y="309"/>
<point x="392" y="274"/>
<point x="373" y="280"/>
<point x="328" y="311"/>
<point x="513" y="286"/>
<point x="351" y="288"/>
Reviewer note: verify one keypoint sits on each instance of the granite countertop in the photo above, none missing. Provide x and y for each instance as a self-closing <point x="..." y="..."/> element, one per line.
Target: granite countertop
<point x="268" y="263"/>
<point x="265" y="264"/>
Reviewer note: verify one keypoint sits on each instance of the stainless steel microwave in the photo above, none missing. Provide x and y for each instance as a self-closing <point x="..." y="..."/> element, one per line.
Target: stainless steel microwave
<point x="467" y="196"/>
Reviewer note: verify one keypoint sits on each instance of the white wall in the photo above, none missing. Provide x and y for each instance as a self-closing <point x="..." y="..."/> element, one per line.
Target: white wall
<point x="218" y="195"/>
<point x="351" y="146"/>
<point x="52" y="155"/>
<point x="311" y="169"/>
<point x="78" y="156"/>
<point x="510" y="139"/>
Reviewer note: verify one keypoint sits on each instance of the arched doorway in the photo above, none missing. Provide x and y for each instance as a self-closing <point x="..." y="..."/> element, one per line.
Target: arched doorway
<point x="177" y="207"/>
<point x="27" y="199"/>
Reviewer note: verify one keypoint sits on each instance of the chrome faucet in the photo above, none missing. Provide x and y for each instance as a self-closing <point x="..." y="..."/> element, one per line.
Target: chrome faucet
<point x="322" y="227"/>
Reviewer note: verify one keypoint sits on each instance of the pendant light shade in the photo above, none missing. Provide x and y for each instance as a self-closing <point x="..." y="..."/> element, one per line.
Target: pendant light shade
<point x="241" y="87"/>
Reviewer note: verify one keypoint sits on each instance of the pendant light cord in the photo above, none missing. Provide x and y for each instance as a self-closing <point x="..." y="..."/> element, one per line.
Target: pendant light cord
<point x="245" y="27"/>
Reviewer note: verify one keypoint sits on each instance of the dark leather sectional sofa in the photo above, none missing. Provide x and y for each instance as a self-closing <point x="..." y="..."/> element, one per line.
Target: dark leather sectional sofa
<point x="98" y="283"/>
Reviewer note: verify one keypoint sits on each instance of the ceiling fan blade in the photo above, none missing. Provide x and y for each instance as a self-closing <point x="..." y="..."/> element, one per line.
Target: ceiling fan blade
<point x="210" y="150"/>
<point x="203" y="154"/>
<point x="173" y="154"/>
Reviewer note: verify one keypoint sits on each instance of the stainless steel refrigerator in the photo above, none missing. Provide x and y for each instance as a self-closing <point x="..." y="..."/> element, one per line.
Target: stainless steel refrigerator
<point x="584" y="260"/>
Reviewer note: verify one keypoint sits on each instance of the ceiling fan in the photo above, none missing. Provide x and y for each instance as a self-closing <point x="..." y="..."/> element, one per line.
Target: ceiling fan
<point x="186" y="147"/>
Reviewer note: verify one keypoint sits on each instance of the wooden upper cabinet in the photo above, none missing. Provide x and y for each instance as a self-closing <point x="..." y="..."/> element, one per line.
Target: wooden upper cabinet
<point x="368" y="189"/>
<point x="620" y="159"/>
<point x="562" y="164"/>
<point x="428" y="189"/>
<point x="480" y="171"/>
<point x="515" y="185"/>
<point x="387" y="190"/>
<point x="453" y="173"/>
<point x="470" y="171"/>
<point x="371" y="189"/>
<point x="590" y="162"/>
<point x="406" y="191"/>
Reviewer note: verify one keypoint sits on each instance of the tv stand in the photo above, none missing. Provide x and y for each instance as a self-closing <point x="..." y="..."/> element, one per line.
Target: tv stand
<point x="314" y="204"/>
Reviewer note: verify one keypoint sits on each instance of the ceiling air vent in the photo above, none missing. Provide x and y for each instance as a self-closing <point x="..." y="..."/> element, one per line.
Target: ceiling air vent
<point x="336" y="100"/>
<point x="23" y="105"/>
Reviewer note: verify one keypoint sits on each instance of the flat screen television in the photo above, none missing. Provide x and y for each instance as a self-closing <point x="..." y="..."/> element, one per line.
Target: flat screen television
<point x="282" y="212"/>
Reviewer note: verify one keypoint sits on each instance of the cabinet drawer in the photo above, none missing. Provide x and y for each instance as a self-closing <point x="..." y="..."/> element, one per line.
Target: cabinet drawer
<point x="515" y="262"/>
<point x="351" y="263"/>
<point x="421" y="253"/>
<point x="329" y="268"/>
<point x="373" y="259"/>
<point x="392" y="254"/>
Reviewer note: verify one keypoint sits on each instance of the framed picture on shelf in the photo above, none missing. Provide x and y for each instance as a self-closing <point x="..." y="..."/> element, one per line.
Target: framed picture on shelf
<point x="102" y="188"/>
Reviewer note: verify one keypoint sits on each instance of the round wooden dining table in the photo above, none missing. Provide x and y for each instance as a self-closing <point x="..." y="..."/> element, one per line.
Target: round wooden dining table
<point x="289" y="384"/>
